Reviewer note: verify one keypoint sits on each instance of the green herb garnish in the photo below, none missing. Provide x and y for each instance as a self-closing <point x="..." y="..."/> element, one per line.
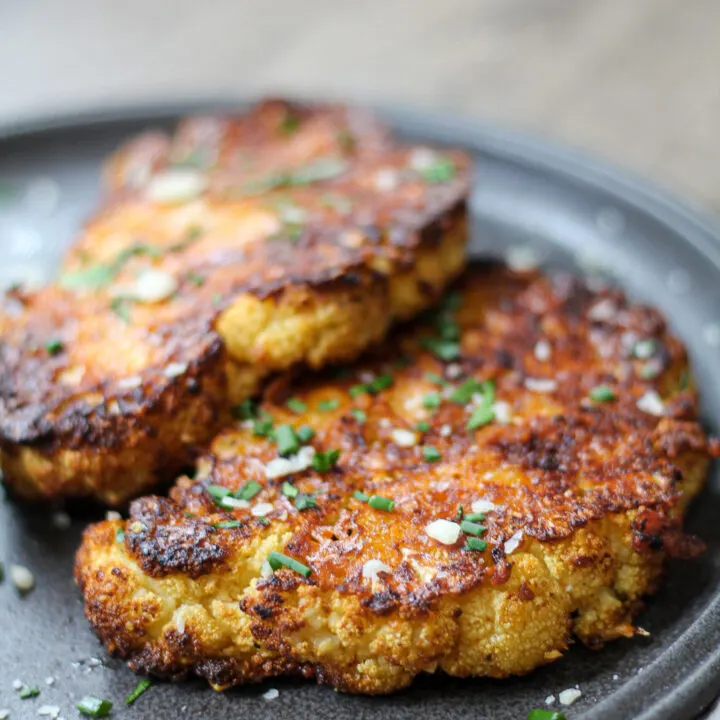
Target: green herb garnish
<point x="378" y="502"/>
<point x="463" y="394"/>
<point x="601" y="393"/>
<point x="475" y="544"/>
<point x="248" y="491"/>
<point x="288" y="490"/>
<point x="140" y="688"/>
<point x="423" y="426"/>
<point x="545" y="715"/>
<point x="361" y="496"/>
<point x="262" y="427"/>
<point x="228" y="524"/>
<point x="246" y="410"/>
<point x="436" y="379"/>
<point x="322" y="462"/>
<point x="431" y="453"/>
<point x="304" y="502"/>
<point x="195" y="278"/>
<point x="218" y="492"/>
<point x="287" y="441"/>
<point x="277" y="560"/>
<point x="94" y="706"/>
<point x="472" y="528"/>
<point x="119" y="535"/>
<point x="296" y="405"/>
<point x="305" y="434"/>
<point x="121" y="306"/>
<point x="432" y="400"/>
<point x="446" y="350"/>
<point x="441" y="170"/>
<point x="482" y="415"/>
<point x="359" y="415"/>
<point x="54" y="346"/>
<point x="28" y="691"/>
<point x="328" y="405"/>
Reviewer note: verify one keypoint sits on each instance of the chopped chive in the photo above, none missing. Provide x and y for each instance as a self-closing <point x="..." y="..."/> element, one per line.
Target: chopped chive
<point x="378" y="502"/>
<point x="277" y="560"/>
<point x="441" y="170"/>
<point x="90" y="278"/>
<point x="602" y="393"/>
<point x="119" y="535"/>
<point x="121" y="307"/>
<point x="28" y="691"/>
<point x="193" y="233"/>
<point x="356" y="390"/>
<point x="446" y="350"/>
<point x="54" y="346"/>
<point x="328" y="405"/>
<point x="140" y="688"/>
<point x="305" y="434"/>
<point x="262" y="428"/>
<point x="423" y="426"/>
<point x="459" y="514"/>
<point x="381" y="382"/>
<point x="287" y="441"/>
<point x="94" y="706"/>
<point x="227" y="524"/>
<point x="217" y="492"/>
<point x="463" y="393"/>
<point x="296" y="405"/>
<point x="263" y="521"/>
<point x="545" y="715"/>
<point x="475" y="517"/>
<point x="432" y="400"/>
<point x="2" y="572"/>
<point x="431" y="453"/>
<point x="246" y="410"/>
<point x="288" y="490"/>
<point x="322" y="462"/>
<point x="361" y="496"/>
<point x="304" y="502"/>
<point x="480" y="416"/>
<point x="248" y="491"/>
<point x="195" y="278"/>
<point x="472" y="528"/>
<point x="477" y="544"/>
<point x="359" y="415"/>
<point x="436" y="379"/>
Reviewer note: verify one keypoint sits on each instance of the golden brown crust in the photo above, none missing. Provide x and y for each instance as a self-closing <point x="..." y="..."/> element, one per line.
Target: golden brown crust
<point x="583" y="495"/>
<point x="274" y="235"/>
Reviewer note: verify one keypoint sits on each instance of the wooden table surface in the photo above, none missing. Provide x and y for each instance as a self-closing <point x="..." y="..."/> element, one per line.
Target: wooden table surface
<point x="635" y="81"/>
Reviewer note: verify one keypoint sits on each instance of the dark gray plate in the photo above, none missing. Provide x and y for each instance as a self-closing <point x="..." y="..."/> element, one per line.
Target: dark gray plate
<point x="568" y="209"/>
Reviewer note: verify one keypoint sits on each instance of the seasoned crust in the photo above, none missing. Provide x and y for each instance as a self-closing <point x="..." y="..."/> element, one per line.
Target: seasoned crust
<point x="279" y="249"/>
<point x="583" y="499"/>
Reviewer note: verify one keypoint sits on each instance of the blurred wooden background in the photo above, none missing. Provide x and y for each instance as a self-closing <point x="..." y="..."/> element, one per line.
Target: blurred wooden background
<point x="637" y="81"/>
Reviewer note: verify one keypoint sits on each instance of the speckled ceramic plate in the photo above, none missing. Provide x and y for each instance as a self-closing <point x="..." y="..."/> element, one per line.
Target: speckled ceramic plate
<point x="532" y="202"/>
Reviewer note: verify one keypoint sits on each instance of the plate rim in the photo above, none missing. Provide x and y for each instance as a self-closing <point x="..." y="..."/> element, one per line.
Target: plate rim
<point x="693" y="691"/>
